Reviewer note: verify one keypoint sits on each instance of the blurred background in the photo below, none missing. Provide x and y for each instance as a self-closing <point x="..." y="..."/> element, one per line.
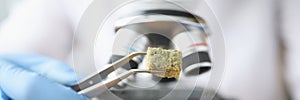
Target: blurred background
<point x="261" y="38"/>
<point x="5" y="6"/>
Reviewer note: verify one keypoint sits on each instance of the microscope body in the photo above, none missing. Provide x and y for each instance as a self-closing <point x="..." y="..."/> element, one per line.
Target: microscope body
<point x="158" y="23"/>
<point x="164" y="28"/>
<point x="133" y="26"/>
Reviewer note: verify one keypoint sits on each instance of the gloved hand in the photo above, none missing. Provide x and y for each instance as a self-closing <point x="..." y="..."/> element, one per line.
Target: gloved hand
<point x="34" y="77"/>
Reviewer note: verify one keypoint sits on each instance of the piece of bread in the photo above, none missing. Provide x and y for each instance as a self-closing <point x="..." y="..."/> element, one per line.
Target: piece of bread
<point x="169" y="61"/>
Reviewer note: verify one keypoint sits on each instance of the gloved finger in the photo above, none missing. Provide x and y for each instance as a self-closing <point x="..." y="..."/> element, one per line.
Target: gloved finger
<point x="3" y="96"/>
<point x="21" y="84"/>
<point x="50" y="68"/>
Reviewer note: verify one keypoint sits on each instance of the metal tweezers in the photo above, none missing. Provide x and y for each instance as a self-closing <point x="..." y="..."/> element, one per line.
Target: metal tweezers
<point x="95" y="82"/>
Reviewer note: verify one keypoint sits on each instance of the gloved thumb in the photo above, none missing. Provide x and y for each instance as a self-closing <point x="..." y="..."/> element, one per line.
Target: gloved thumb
<point x="47" y="67"/>
<point x="21" y="84"/>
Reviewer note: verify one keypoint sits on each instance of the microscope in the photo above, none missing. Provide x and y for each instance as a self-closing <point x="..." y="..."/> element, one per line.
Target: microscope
<point x="164" y="28"/>
<point x="168" y="27"/>
<point x="139" y="24"/>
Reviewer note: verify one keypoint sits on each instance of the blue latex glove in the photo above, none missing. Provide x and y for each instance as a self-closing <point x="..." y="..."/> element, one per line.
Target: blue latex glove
<point x="34" y="77"/>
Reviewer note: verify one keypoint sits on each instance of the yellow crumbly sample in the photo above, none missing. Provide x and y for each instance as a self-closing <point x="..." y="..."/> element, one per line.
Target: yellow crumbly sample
<point x="164" y="60"/>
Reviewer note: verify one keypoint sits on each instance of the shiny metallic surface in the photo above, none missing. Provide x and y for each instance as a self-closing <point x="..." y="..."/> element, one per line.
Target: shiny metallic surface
<point x="159" y="30"/>
<point x="166" y="31"/>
